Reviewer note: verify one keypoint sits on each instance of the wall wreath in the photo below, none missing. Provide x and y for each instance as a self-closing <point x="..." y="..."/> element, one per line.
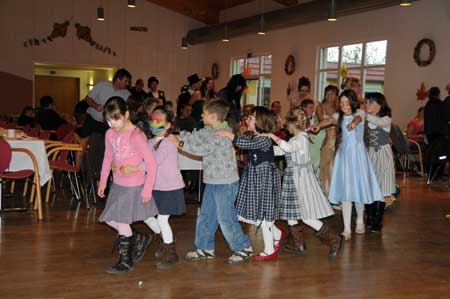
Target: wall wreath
<point x="289" y="65"/>
<point x="432" y="53"/>
<point x="215" y="71"/>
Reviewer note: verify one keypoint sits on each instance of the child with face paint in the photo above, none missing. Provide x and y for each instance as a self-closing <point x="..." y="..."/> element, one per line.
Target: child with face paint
<point x="129" y="198"/>
<point x="168" y="189"/>
<point x="353" y="179"/>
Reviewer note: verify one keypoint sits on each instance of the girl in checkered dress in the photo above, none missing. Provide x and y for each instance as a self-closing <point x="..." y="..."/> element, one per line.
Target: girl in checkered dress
<point x="260" y="184"/>
<point x="302" y="197"/>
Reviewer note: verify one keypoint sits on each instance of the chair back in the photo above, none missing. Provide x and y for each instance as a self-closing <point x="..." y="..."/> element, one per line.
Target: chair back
<point x="62" y="131"/>
<point x="44" y="135"/>
<point x="5" y="155"/>
<point x="3" y="124"/>
<point x="34" y="132"/>
<point x="399" y="140"/>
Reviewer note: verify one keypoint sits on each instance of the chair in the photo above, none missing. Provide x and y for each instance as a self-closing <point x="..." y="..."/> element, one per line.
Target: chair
<point x="5" y="159"/>
<point x="60" y="160"/>
<point x="414" y="153"/>
<point x="63" y="130"/>
<point x="44" y="135"/>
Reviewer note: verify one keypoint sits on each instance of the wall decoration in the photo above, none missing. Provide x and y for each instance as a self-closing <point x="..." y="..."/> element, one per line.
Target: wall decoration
<point x="84" y="33"/>
<point x="289" y="65"/>
<point x="432" y="52"/>
<point x="215" y="71"/>
<point x="343" y="71"/>
<point x="139" y="28"/>
<point x="59" y="30"/>
<point x="422" y="93"/>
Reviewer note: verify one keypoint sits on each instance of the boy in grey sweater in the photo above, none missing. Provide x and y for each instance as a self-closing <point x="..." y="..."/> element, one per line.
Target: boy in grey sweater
<point x="222" y="181"/>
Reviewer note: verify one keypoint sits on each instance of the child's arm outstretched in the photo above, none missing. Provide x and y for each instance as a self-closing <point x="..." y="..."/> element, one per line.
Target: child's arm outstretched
<point x="286" y="147"/>
<point x="248" y="142"/>
<point x="198" y="143"/>
<point x="382" y="122"/>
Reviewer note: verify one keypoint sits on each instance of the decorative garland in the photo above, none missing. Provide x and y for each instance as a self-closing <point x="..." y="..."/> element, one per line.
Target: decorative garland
<point x="60" y="31"/>
<point x="289" y="65"/>
<point x="418" y="49"/>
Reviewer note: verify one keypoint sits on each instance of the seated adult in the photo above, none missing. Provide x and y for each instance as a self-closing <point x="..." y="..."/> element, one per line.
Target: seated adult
<point x="138" y="88"/>
<point x="27" y="118"/>
<point x="185" y="122"/>
<point x="48" y="118"/>
<point x="415" y="127"/>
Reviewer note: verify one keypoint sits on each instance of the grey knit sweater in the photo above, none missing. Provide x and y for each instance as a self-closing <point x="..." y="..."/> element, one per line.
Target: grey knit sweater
<point x="219" y="159"/>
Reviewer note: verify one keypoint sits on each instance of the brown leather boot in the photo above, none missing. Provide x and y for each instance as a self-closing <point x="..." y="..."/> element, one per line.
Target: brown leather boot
<point x="330" y="238"/>
<point x="169" y="257"/>
<point x="159" y="246"/>
<point x="298" y="242"/>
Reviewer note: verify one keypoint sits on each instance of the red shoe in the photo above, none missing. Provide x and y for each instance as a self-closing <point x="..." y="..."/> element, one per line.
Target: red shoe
<point x="278" y="243"/>
<point x="261" y="258"/>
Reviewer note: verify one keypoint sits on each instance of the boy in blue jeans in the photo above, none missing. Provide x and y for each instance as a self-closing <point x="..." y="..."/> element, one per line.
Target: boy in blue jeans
<point x="221" y="178"/>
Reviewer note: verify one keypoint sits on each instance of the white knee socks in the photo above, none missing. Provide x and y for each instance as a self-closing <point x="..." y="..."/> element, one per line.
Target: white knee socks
<point x="266" y="228"/>
<point x="166" y="230"/>
<point x="152" y="223"/>
<point x="359" y="213"/>
<point x="314" y="223"/>
<point x="161" y="226"/>
<point x="347" y="216"/>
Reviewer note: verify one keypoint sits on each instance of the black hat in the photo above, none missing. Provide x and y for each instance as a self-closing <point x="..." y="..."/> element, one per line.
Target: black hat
<point x="193" y="79"/>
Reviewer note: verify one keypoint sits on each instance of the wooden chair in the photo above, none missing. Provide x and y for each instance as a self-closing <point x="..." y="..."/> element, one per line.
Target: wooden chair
<point x="5" y="158"/>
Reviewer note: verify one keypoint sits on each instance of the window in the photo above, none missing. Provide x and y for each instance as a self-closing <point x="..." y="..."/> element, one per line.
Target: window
<point x="365" y="61"/>
<point x="257" y="70"/>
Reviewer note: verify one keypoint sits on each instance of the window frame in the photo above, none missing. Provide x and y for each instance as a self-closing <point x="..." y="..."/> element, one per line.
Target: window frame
<point x="260" y="78"/>
<point x="362" y="68"/>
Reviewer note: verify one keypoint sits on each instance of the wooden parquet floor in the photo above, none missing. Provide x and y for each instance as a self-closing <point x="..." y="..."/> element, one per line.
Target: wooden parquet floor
<point x="66" y="255"/>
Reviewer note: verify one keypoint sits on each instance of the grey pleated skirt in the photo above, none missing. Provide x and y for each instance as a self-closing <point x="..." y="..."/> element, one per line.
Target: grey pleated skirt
<point x="124" y="205"/>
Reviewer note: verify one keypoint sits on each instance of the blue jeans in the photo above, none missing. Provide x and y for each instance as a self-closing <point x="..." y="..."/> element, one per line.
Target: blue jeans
<point x="218" y="209"/>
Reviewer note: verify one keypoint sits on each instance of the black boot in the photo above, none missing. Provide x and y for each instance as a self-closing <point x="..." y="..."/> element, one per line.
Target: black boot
<point x="141" y="242"/>
<point x="125" y="262"/>
<point x="369" y="210"/>
<point x="377" y="224"/>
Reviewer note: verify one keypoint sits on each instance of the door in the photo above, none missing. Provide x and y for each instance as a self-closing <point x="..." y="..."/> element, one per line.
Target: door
<point x="65" y="92"/>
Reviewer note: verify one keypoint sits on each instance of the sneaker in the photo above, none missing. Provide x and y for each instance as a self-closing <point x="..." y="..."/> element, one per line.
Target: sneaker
<point x="200" y="254"/>
<point x="239" y="257"/>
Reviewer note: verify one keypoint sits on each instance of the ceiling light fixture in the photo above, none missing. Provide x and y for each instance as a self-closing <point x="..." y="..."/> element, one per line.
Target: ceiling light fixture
<point x="405" y="3"/>
<point x="100" y="14"/>
<point x="132" y="3"/>
<point x="184" y="43"/>
<point x="262" y="26"/>
<point x="225" y="37"/>
<point x="332" y="12"/>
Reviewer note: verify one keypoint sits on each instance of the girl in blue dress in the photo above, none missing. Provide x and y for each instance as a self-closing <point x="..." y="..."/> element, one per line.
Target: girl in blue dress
<point x="353" y="179"/>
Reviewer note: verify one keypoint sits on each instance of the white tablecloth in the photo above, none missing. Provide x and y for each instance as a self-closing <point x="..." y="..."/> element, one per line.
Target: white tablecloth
<point x="21" y="161"/>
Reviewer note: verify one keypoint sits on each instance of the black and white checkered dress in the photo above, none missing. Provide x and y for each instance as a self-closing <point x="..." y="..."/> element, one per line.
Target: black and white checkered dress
<point x="302" y="196"/>
<point x="260" y="185"/>
<point x="289" y="206"/>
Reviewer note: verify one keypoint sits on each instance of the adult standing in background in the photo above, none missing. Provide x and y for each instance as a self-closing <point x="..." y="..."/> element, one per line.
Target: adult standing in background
<point x="98" y="96"/>
<point x="191" y="94"/>
<point x="304" y="90"/>
<point x="155" y="93"/>
<point x="436" y="128"/>
<point x="447" y="108"/>
<point x="138" y="88"/>
<point x="232" y="93"/>
<point x="208" y="93"/>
